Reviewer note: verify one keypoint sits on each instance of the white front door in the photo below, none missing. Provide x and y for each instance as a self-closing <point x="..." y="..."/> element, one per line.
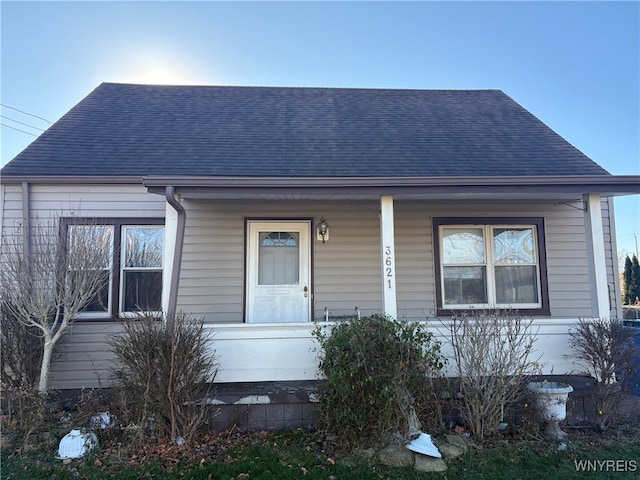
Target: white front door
<point x="278" y="271"/>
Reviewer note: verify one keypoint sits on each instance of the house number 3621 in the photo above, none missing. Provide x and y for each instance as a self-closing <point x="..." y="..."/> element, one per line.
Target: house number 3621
<point x="388" y="262"/>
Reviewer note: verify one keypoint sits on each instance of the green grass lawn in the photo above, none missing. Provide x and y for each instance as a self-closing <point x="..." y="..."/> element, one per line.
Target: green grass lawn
<point x="309" y="455"/>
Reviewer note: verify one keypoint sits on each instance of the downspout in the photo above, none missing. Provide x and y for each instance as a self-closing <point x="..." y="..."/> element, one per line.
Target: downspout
<point x="177" y="252"/>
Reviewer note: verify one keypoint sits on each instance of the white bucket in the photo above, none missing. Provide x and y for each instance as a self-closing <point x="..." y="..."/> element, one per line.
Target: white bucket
<point x="76" y="444"/>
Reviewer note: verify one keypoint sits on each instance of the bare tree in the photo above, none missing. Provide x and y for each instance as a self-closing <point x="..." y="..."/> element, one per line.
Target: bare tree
<point x="49" y="274"/>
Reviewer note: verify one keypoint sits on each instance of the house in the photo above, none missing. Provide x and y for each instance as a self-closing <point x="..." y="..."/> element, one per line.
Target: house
<point x="266" y="209"/>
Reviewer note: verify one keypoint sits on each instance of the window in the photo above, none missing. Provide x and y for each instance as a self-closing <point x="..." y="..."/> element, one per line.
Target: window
<point x="134" y="255"/>
<point x="141" y="277"/>
<point x="498" y="264"/>
<point x="99" y="238"/>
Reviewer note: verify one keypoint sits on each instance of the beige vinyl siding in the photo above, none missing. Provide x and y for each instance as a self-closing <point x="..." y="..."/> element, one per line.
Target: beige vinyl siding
<point x="566" y="252"/>
<point x="11" y="204"/>
<point x="12" y="215"/>
<point x="347" y="267"/>
<point x="567" y="263"/>
<point x="211" y="281"/>
<point x="84" y="359"/>
<point x="415" y="282"/>
<point x="95" y="201"/>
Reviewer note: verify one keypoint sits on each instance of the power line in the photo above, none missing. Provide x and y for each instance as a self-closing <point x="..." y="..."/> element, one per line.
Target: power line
<point x="26" y="113"/>
<point x="14" y="128"/>
<point x="21" y="123"/>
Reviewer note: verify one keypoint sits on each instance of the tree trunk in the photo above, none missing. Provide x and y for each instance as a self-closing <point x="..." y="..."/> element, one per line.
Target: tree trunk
<point x="45" y="366"/>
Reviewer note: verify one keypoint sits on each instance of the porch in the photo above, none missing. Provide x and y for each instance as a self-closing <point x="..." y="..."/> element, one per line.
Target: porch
<point x="286" y="352"/>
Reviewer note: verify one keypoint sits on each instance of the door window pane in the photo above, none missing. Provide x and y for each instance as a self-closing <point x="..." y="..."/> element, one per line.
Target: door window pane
<point x="278" y="258"/>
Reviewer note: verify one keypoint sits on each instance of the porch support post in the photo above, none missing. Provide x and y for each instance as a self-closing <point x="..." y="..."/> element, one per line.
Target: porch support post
<point x="388" y="256"/>
<point x="596" y="256"/>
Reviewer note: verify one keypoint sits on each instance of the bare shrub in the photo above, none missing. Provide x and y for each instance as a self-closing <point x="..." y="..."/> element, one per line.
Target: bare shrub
<point x="20" y="357"/>
<point x="163" y="372"/>
<point x="492" y="353"/>
<point x="25" y="413"/>
<point x="21" y="352"/>
<point x="606" y="350"/>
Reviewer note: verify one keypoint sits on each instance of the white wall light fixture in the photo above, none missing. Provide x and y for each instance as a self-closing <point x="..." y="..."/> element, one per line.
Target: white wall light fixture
<point x="322" y="230"/>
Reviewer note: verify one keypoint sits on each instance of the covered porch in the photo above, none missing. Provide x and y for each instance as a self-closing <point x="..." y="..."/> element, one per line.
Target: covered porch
<point x="376" y="256"/>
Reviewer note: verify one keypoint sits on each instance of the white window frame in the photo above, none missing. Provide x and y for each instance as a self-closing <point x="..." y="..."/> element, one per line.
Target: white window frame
<point x="109" y="268"/>
<point x="123" y="268"/>
<point x="490" y="266"/>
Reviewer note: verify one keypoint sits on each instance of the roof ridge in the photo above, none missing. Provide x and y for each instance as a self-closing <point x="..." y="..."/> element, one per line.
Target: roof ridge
<point x="305" y="87"/>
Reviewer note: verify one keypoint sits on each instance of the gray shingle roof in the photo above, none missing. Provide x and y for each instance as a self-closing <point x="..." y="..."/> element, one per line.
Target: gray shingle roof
<point x="141" y="130"/>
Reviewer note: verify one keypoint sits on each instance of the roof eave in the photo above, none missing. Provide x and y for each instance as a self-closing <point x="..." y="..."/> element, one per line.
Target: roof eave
<point x="604" y="184"/>
<point x="72" y="179"/>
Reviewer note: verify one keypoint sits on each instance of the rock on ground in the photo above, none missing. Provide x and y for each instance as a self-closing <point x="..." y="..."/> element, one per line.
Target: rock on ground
<point x="396" y="456"/>
<point x="458" y="441"/>
<point x="449" y="450"/>
<point x="424" y="463"/>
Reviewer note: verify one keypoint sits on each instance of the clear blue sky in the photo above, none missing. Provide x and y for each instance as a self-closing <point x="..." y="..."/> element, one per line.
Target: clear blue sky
<point x="575" y="65"/>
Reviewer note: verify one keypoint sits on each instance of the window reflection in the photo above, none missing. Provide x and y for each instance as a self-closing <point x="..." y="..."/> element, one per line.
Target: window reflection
<point x="143" y="247"/>
<point x="513" y="245"/>
<point x="463" y="245"/>
<point x="87" y="243"/>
